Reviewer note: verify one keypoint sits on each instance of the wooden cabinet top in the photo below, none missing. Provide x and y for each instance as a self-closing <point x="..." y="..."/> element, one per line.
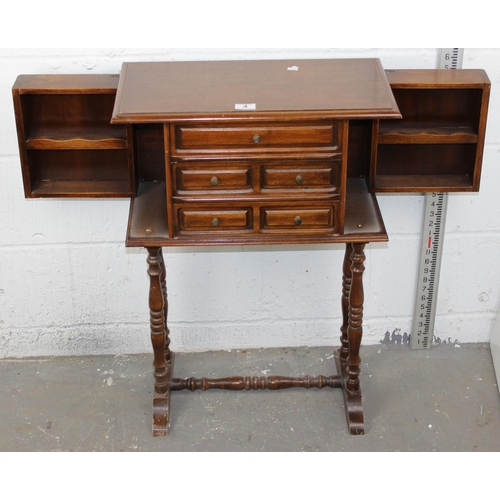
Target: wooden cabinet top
<point x="66" y="84"/>
<point x="439" y="78"/>
<point x="152" y="92"/>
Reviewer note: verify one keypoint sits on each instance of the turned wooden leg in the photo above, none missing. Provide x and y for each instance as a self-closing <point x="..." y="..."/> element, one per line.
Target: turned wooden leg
<point x="346" y="291"/>
<point x="163" y="278"/>
<point x="356" y="303"/>
<point x="159" y="338"/>
<point x="349" y="366"/>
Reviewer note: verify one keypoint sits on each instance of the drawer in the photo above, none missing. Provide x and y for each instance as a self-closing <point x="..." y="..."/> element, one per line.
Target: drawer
<point x="213" y="177"/>
<point x="301" y="176"/>
<point x="300" y="218"/>
<point x="256" y="137"/>
<point x="214" y="219"/>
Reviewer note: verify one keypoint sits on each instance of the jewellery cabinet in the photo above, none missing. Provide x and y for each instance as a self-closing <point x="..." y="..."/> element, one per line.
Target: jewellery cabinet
<point x="232" y="153"/>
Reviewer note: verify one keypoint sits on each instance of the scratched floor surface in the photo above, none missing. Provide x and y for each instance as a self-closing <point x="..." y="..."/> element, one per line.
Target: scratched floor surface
<point x="440" y="400"/>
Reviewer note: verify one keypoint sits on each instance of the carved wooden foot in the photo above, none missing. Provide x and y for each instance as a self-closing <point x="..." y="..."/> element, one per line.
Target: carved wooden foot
<point x="161" y="406"/>
<point x="352" y="401"/>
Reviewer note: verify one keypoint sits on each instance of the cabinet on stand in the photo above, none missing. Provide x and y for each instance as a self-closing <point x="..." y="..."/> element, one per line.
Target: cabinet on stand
<point x="233" y="153"/>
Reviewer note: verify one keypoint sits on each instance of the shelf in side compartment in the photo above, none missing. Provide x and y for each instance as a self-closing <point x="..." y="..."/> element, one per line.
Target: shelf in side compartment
<point x="81" y="173"/>
<point x="78" y="139"/>
<point x="81" y="189"/>
<point x="404" y="133"/>
<point x="425" y="167"/>
<point x="423" y="183"/>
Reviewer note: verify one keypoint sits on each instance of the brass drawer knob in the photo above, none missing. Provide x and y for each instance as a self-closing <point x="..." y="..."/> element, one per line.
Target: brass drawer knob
<point x="256" y="138"/>
<point x="298" y="221"/>
<point x="214" y="181"/>
<point x="299" y="180"/>
<point x="216" y="222"/>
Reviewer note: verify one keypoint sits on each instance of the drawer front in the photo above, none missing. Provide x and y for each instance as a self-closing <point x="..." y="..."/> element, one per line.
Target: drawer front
<point x="300" y="218"/>
<point x="256" y="219"/>
<point x="213" y="177"/>
<point x="257" y="137"/>
<point x="301" y="176"/>
<point x="214" y="220"/>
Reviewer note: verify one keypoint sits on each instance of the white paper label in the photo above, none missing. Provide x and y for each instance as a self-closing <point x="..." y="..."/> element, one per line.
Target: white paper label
<point x="246" y="107"/>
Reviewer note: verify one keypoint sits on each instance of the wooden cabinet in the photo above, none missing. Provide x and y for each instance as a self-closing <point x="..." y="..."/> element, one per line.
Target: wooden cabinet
<point x="438" y="144"/>
<point x="67" y="144"/>
<point x="69" y="148"/>
<point x="253" y="153"/>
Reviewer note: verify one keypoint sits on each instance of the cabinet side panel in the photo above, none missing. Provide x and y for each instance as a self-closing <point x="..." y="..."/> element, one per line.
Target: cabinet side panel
<point x="481" y="136"/>
<point x="167" y="130"/>
<point x="22" y="131"/>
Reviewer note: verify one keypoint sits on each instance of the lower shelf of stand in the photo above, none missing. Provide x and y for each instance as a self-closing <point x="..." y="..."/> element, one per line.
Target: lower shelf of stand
<point x="82" y="189"/>
<point x="148" y="222"/>
<point x="422" y="183"/>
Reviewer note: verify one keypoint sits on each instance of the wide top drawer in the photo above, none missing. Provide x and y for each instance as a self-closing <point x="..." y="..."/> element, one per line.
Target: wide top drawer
<point x="193" y="139"/>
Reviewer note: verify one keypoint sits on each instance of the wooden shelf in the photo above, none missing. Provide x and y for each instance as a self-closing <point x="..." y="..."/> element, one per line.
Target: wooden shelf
<point x="404" y="133"/>
<point x="82" y="189"/>
<point x="67" y="139"/>
<point x="422" y="183"/>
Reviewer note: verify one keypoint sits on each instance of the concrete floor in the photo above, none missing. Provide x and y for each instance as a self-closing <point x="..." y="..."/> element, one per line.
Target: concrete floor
<point x="445" y="399"/>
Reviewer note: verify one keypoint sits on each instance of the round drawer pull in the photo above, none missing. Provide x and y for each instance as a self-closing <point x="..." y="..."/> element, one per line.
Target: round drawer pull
<point x="298" y="221"/>
<point x="256" y="138"/>
<point x="214" y="181"/>
<point x="299" y="180"/>
<point x="216" y="222"/>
